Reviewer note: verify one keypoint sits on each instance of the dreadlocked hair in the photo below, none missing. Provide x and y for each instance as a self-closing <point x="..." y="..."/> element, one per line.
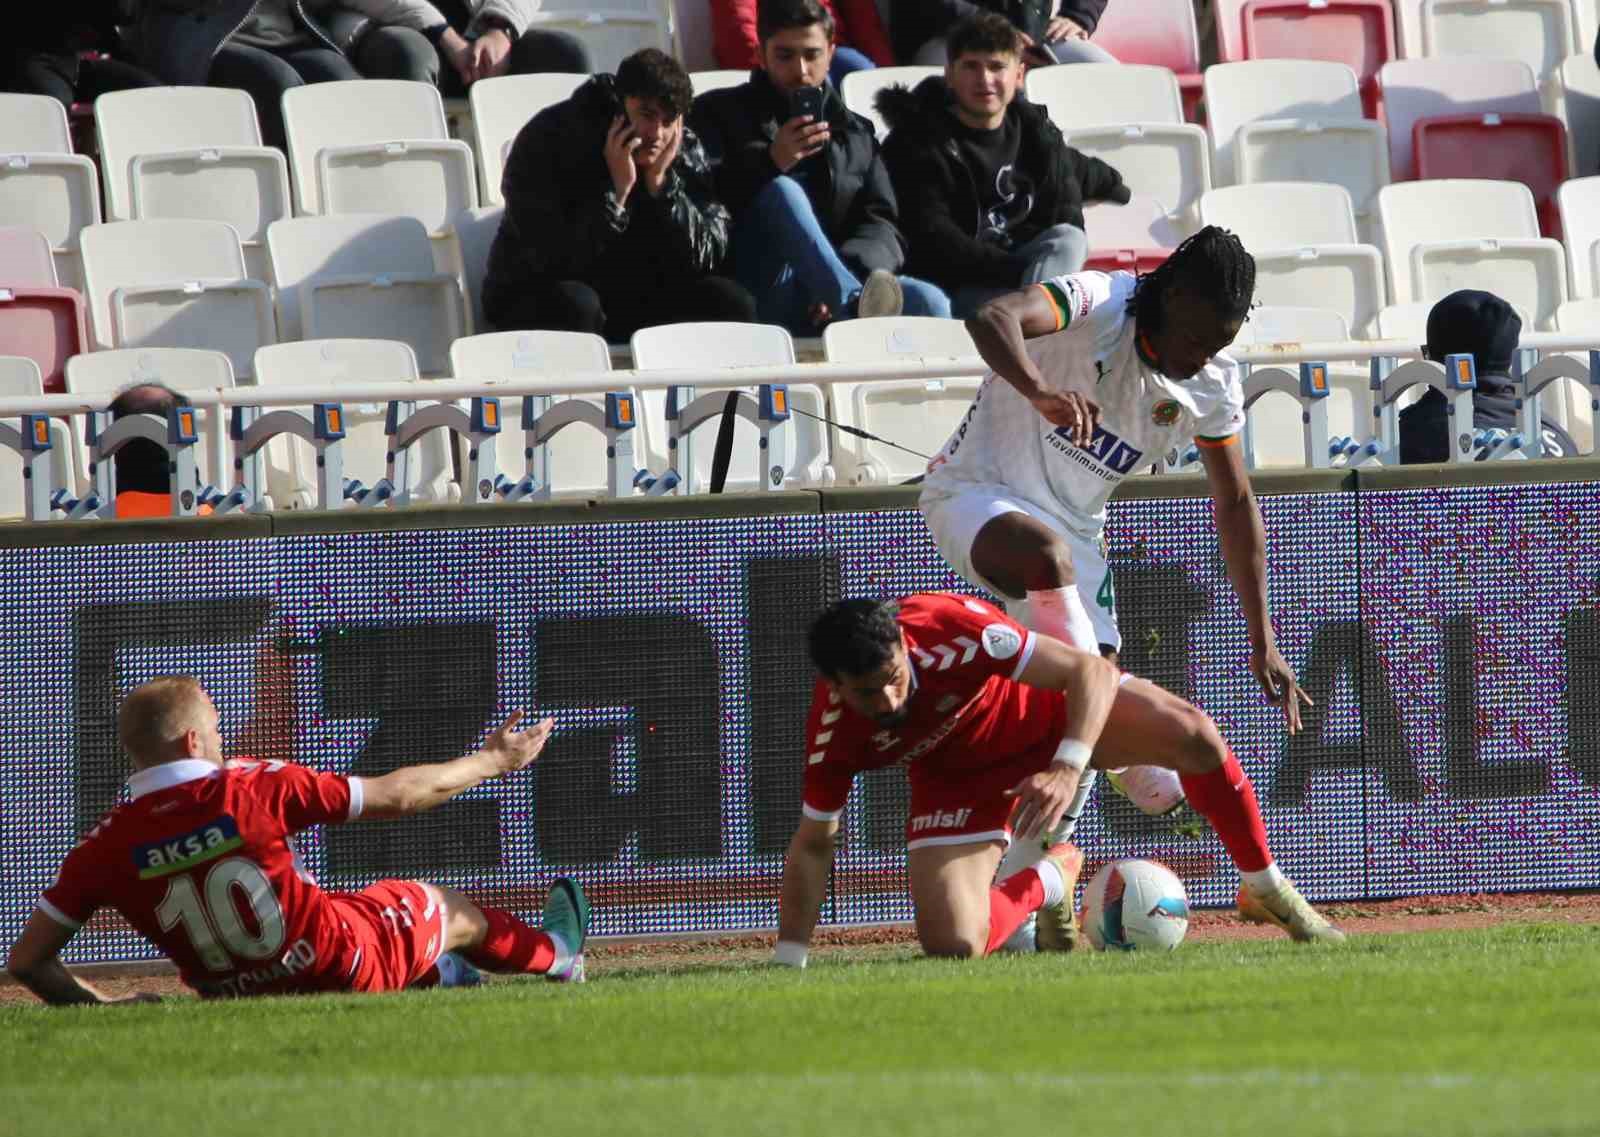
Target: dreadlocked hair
<point x="1212" y="264"/>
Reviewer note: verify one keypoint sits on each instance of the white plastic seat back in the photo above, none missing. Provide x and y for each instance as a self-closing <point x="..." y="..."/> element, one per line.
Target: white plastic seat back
<point x="1578" y="96"/>
<point x="365" y="276"/>
<point x="501" y="107"/>
<point x="1238" y="94"/>
<point x="860" y="89"/>
<point x="718" y="350"/>
<point x="475" y="232"/>
<point x="1538" y="32"/>
<point x="377" y="146"/>
<point x="172" y="283"/>
<point x="1347" y="280"/>
<point x="191" y="152"/>
<point x="1353" y="153"/>
<point x="1427" y="88"/>
<point x="576" y="456"/>
<point x="25" y="258"/>
<point x="20" y="378"/>
<point x="340" y="366"/>
<point x="717" y="79"/>
<point x="1169" y="163"/>
<point x="919" y="414"/>
<point x="1579" y="200"/>
<point x="1282" y="215"/>
<point x="1105" y="94"/>
<point x="611" y="30"/>
<point x="1269" y="324"/>
<point x="1140" y="223"/>
<point x="43" y="184"/>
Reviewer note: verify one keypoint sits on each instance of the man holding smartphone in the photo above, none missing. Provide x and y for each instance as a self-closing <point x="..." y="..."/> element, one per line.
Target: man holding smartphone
<point x="816" y="236"/>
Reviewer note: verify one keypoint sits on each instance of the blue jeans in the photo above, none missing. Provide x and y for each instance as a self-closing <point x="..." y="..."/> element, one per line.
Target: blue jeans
<point x="846" y="60"/>
<point x="1057" y="251"/>
<point x="782" y="255"/>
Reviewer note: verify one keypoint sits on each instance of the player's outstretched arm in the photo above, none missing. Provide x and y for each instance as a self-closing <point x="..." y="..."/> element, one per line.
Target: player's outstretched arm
<point x="35" y="962"/>
<point x="1244" y="550"/>
<point x="1001" y="330"/>
<point x="805" y="884"/>
<point x="415" y="789"/>
<point x="1090" y="686"/>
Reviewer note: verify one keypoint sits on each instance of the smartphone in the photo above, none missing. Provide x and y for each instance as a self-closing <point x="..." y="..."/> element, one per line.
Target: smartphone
<point x="806" y="101"/>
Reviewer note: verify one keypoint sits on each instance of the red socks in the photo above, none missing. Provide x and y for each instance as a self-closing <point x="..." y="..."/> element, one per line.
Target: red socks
<point x="1226" y="798"/>
<point x="1010" y="903"/>
<point x="511" y="945"/>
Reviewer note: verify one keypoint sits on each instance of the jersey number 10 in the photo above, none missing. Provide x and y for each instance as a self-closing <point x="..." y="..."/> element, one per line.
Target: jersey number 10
<point x="215" y="915"/>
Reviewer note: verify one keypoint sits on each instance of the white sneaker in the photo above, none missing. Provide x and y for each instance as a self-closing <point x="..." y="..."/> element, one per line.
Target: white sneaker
<point x="1285" y="908"/>
<point x="881" y="295"/>
<point x="1154" y="789"/>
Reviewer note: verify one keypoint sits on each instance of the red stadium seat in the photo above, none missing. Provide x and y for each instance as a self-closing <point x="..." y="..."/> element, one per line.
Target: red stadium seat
<point x="1357" y="33"/>
<point x="46" y="325"/>
<point x="1526" y="148"/>
<point x="1161" y="33"/>
<point x="1127" y="260"/>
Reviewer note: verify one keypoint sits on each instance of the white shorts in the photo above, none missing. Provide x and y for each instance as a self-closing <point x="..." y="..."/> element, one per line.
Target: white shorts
<point x="954" y="519"/>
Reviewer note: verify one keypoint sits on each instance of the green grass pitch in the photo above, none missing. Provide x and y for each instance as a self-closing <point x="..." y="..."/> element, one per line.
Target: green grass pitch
<point x="1486" y="1032"/>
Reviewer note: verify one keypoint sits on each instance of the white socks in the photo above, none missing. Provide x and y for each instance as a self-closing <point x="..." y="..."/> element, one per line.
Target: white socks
<point x="1055" y="889"/>
<point x="1269" y="879"/>
<point x="1059" y="612"/>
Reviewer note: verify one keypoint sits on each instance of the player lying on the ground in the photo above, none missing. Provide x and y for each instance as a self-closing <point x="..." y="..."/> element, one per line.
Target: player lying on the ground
<point x="202" y="864"/>
<point x="1095" y="376"/>
<point x="988" y="717"/>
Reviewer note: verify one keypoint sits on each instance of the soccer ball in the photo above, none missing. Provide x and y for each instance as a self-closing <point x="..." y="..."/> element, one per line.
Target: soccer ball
<point x="1135" y="905"/>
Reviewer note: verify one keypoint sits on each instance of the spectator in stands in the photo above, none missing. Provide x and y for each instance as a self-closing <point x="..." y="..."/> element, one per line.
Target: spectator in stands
<point x="1484" y="326"/>
<point x="67" y="51"/>
<point x="611" y="223"/>
<point x="861" y="42"/>
<point x="1053" y="31"/>
<point x="143" y="478"/>
<point x="991" y="194"/>
<point x="816" y="236"/>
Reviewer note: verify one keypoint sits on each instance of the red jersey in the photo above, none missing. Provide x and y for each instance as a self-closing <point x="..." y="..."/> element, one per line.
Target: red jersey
<point x="202" y="864"/>
<point x="967" y="711"/>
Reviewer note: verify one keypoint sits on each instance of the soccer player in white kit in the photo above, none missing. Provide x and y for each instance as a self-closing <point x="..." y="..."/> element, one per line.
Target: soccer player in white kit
<point x="1093" y="377"/>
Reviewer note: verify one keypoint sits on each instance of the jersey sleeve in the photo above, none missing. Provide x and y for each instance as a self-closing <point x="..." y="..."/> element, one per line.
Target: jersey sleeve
<point x="966" y="634"/>
<point x="75" y="895"/>
<point x="830" y="770"/>
<point x="301" y="797"/>
<point x="1222" y="426"/>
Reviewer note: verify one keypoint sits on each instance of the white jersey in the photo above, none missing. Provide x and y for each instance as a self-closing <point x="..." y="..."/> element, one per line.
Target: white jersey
<point x="1003" y="441"/>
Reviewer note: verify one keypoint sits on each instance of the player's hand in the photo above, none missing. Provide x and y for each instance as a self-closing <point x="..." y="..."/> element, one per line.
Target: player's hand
<point x="655" y="173"/>
<point x="512" y="749"/>
<point x="797" y="140"/>
<point x="621" y="142"/>
<point x="1063" y="27"/>
<point x="1278" y="680"/>
<point x="490" y="54"/>
<point x="1078" y="413"/>
<point x="1041" y="800"/>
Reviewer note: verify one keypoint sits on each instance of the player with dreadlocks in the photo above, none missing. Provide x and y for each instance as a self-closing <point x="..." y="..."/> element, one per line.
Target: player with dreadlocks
<point x="1094" y="376"/>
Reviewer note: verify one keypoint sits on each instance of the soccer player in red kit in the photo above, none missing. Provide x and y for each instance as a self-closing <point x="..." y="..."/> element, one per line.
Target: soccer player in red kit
<point x="995" y="724"/>
<point x="202" y="863"/>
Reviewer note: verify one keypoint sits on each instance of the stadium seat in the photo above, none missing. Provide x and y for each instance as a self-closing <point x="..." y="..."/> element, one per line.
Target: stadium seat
<point x="1106" y="94"/>
<point x="718" y="80"/>
<point x="611" y="30"/>
<point x="918" y="414"/>
<point x="1536" y="32"/>
<point x="1308" y="255"/>
<point x="1526" y="148"/>
<point x="1357" y="33"/>
<point x="860" y="89"/>
<point x="475" y="230"/>
<point x="713" y="348"/>
<point x="1140" y="224"/>
<point x="1443" y="235"/>
<point x="576" y="460"/>
<point x="43" y="184"/>
<point x="377" y="146"/>
<point x="341" y="366"/>
<point x="19" y="378"/>
<point x="191" y="152"/>
<point x="1578" y="102"/>
<point x="25" y="259"/>
<point x="1161" y="33"/>
<point x="500" y="108"/>
<point x="1170" y="163"/>
<point x="172" y="283"/>
<point x="1430" y="88"/>
<point x="47" y="325"/>
<point x="1579" y="202"/>
<point x="365" y="276"/>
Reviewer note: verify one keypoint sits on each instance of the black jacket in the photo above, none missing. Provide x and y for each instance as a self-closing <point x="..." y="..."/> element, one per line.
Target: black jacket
<point x="939" y="193"/>
<point x="558" y="223"/>
<point x="913" y="23"/>
<point x="851" y="194"/>
<point x="1425" y="424"/>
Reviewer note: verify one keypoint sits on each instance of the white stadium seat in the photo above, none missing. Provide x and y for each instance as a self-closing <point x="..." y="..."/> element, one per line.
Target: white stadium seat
<point x="192" y="152"/>
<point x="43" y="184"/>
<point x="860" y="89"/>
<point x="719" y="349"/>
<point x="1106" y="94"/>
<point x="501" y="107"/>
<point x="365" y="276"/>
<point x="27" y="258"/>
<point x="1580" y="229"/>
<point x="1428" y="88"/>
<point x="1578" y="102"/>
<point x="475" y="231"/>
<point x="20" y="378"/>
<point x="717" y="80"/>
<point x="1537" y="32"/>
<point x="175" y="283"/>
<point x="1446" y="234"/>
<point x="1170" y="163"/>
<point x="611" y="30"/>
<point x="919" y="414"/>
<point x="1280" y="215"/>
<point x="1140" y="223"/>
<point x="576" y="456"/>
<point x="377" y="146"/>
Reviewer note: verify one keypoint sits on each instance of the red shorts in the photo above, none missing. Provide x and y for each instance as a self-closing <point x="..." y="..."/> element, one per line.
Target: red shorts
<point x="397" y="928"/>
<point x="957" y="805"/>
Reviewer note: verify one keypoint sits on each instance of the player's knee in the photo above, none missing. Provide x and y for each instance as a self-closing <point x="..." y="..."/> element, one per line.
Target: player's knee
<point x="952" y="942"/>
<point x="1050" y="566"/>
<point x="1200" y="744"/>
